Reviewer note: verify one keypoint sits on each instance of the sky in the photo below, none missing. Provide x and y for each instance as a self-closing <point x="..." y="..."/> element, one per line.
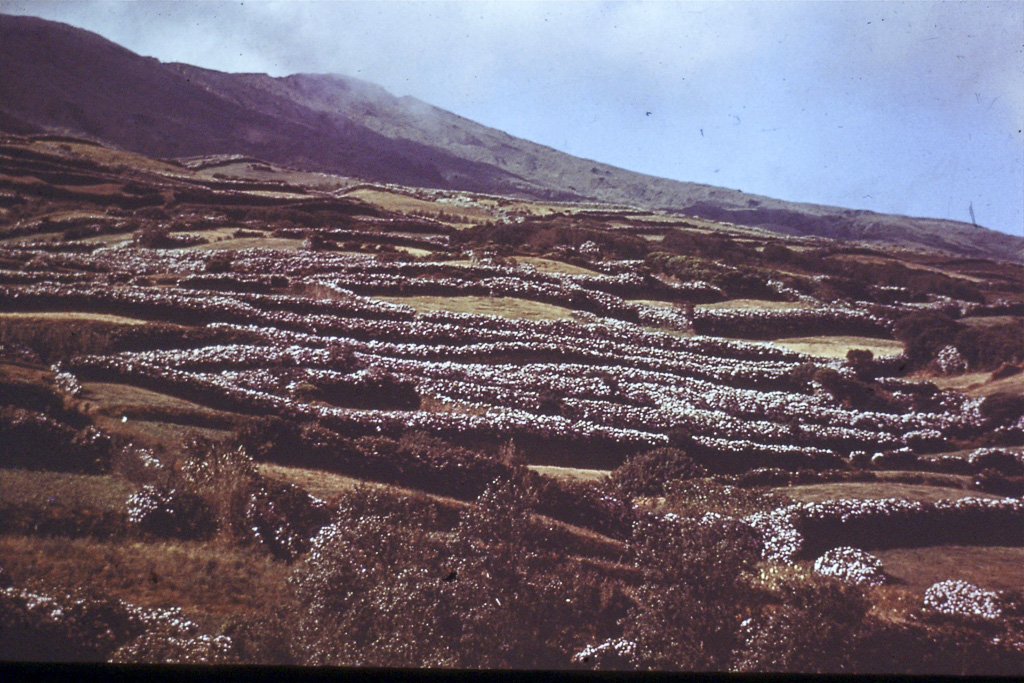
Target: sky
<point x="913" y="108"/>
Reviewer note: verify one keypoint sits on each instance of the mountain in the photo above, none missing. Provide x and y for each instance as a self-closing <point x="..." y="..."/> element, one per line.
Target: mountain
<point x="57" y="78"/>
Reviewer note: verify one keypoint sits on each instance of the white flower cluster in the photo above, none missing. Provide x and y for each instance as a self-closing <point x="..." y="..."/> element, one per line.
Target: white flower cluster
<point x="613" y="652"/>
<point x="960" y="598"/>
<point x="852" y="565"/>
<point x="68" y="383"/>
<point x="949" y="360"/>
<point x="150" y="501"/>
<point x="44" y="605"/>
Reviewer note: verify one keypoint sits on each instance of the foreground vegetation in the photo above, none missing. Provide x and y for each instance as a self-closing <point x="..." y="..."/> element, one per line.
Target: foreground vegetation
<point x="251" y="422"/>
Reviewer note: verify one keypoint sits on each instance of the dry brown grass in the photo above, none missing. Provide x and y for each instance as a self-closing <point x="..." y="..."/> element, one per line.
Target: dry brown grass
<point x="987" y="321"/>
<point x="869" y="259"/>
<point x="977" y="384"/>
<point x="546" y="265"/>
<point x="106" y="156"/>
<point x="838" y="347"/>
<point x="992" y="567"/>
<point x="395" y="201"/>
<point x="579" y="473"/>
<point x="414" y="251"/>
<point x="241" y="243"/>
<point x="653" y="302"/>
<point x="24" y="488"/>
<point x="759" y="304"/>
<point x="74" y="315"/>
<point x="505" y="307"/>
<point x="869" y="490"/>
<point x="207" y="580"/>
<point x="113" y="396"/>
<point x="308" y="179"/>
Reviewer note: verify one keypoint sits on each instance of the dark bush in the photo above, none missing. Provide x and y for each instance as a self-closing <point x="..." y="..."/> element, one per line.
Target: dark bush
<point x="169" y="513"/>
<point x="219" y="262"/>
<point x="861" y="361"/>
<point x="647" y="474"/>
<point x="245" y="504"/>
<point x="581" y="503"/>
<point x="415" y="459"/>
<point x="36" y="441"/>
<point x="482" y="597"/>
<point x="815" y="629"/>
<point x="1002" y="409"/>
<point x="994" y="481"/>
<point x="988" y="347"/>
<point x="77" y="628"/>
<point x="696" y="591"/>
<point x="925" y="333"/>
<point x="1004" y="462"/>
<point x="1006" y="370"/>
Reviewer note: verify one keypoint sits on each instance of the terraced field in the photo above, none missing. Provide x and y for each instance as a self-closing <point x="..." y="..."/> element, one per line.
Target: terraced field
<point x="240" y="379"/>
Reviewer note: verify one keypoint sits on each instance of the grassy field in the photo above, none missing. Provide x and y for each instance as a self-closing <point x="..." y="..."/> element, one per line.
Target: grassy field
<point x="108" y="156"/>
<point x="395" y="201"/>
<point x="871" y="259"/>
<point x="115" y="397"/>
<point x="992" y="567"/>
<point x="74" y="315"/>
<point x="546" y="265"/>
<point x="978" y="384"/>
<point x="759" y="304"/>
<point x="239" y="243"/>
<point x="208" y="580"/>
<point x="813" y="493"/>
<point x="838" y="347"/>
<point x="505" y="307"/>
<point x="653" y="302"/>
<point x="570" y="472"/>
<point x="988" y="321"/>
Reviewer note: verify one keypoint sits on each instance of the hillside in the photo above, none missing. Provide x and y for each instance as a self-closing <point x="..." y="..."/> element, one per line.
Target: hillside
<point x="61" y="79"/>
<point x="253" y="415"/>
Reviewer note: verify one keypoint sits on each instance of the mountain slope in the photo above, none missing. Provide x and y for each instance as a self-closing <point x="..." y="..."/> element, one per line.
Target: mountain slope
<point x="59" y="78"/>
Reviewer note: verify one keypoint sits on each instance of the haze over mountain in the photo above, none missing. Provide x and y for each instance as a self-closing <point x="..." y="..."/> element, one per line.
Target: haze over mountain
<point x="54" y="77"/>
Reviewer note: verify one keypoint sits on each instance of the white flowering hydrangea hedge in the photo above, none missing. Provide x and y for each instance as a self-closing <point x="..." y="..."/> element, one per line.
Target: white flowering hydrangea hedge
<point x="958" y="598"/>
<point x="621" y="387"/>
<point x="805" y="529"/>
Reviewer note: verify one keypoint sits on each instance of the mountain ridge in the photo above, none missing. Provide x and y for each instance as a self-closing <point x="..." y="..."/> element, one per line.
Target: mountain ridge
<point x="59" y="78"/>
